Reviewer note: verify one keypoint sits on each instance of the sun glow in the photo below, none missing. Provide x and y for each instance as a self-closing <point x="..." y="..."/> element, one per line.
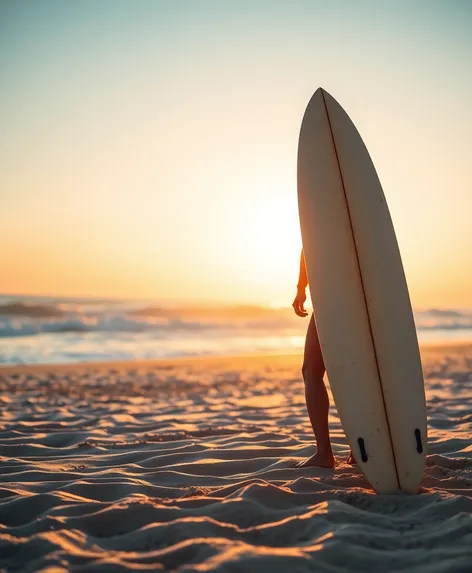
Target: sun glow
<point x="154" y="155"/>
<point x="263" y="245"/>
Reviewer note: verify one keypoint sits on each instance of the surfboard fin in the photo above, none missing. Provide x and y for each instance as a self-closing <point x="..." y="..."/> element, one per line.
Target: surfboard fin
<point x="419" y="443"/>
<point x="364" y="456"/>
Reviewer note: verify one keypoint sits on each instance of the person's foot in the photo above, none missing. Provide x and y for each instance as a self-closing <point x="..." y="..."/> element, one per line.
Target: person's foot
<point x="322" y="460"/>
<point x="351" y="459"/>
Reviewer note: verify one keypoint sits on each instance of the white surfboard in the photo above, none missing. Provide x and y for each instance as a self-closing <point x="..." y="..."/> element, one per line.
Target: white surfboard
<point x="360" y="299"/>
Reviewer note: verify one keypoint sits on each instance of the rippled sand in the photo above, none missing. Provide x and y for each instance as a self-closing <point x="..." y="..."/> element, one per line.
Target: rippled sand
<point x="189" y="466"/>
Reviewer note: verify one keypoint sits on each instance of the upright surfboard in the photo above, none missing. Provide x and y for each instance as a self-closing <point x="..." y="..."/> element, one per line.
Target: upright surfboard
<point x="360" y="298"/>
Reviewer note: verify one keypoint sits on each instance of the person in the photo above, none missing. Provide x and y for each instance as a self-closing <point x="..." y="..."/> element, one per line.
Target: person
<point x="313" y="370"/>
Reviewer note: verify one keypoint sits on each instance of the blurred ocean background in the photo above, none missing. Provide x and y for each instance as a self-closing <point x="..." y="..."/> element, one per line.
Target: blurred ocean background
<point x="53" y="330"/>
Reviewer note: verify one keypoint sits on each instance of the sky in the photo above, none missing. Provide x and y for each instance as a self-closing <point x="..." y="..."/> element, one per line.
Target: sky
<point x="148" y="149"/>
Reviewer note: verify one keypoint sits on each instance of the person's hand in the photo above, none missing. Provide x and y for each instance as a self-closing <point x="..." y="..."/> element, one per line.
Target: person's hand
<point x="299" y="303"/>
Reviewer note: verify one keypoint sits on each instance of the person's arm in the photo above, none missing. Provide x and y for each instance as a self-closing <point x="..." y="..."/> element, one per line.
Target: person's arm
<point x="299" y="302"/>
<point x="303" y="277"/>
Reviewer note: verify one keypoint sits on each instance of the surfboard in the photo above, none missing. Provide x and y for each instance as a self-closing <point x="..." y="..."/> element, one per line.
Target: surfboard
<point x="360" y="299"/>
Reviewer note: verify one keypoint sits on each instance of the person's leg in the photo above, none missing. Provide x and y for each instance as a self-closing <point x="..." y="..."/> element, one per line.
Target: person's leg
<point x="317" y="400"/>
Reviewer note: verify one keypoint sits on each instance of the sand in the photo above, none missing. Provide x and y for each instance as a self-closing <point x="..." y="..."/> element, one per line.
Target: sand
<point x="189" y="465"/>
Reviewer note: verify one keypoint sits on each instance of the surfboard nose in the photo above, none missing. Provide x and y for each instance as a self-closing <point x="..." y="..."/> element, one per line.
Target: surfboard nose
<point x="319" y="99"/>
<point x="321" y="92"/>
<point x="317" y="96"/>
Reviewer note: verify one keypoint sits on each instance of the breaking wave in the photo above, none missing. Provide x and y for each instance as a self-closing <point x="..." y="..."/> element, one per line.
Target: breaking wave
<point x="50" y="330"/>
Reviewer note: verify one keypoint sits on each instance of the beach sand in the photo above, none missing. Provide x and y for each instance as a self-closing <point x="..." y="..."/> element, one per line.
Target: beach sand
<point x="189" y="465"/>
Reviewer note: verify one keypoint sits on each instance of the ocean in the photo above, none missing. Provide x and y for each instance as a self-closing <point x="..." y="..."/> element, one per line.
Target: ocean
<point x="55" y="330"/>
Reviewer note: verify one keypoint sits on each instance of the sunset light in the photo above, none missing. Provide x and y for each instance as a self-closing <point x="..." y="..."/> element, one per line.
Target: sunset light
<point x="235" y="286"/>
<point x="151" y="152"/>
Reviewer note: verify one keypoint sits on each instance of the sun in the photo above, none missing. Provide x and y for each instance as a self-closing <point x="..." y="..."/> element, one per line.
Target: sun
<point x="265" y="246"/>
